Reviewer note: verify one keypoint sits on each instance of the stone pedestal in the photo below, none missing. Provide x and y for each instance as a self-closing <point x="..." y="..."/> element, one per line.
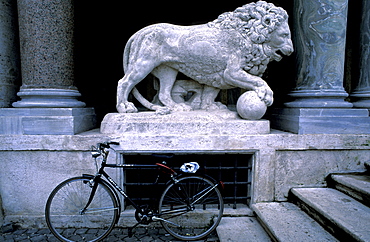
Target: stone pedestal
<point x="318" y="104"/>
<point x="41" y="121"/>
<point x="9" y="53"/>
<point x="182" y="123"/>
<point x="47" y="57"/>
<point x="322" y="120"/>
<point x="361" y="94"/>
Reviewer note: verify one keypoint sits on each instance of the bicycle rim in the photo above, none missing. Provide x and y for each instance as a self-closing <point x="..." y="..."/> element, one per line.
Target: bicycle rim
<point x="192" y="208"/>
<point x="63" y="211"/>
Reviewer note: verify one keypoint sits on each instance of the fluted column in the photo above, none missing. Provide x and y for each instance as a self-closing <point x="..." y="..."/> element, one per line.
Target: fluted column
<point x="46" y="39"/>
<point x="9" y="53"/>
<point x="361" y="94"/>
<point x="318" y="104"/>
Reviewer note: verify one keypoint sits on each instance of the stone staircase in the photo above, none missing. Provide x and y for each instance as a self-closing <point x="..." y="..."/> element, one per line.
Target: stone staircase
<point x="340" y="212"/>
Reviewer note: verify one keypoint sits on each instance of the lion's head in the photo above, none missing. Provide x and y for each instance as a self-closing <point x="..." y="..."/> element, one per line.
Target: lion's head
<point x="266" y="26"/>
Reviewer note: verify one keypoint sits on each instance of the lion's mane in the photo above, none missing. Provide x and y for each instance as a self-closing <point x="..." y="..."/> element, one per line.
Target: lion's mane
<point x="253" y="21"/>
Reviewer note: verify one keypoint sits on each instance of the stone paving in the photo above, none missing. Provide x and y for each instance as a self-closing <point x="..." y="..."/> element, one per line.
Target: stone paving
<point x="118" y="234"/>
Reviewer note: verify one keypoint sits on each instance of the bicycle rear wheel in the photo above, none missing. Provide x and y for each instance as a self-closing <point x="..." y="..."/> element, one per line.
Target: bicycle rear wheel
<point x="65" y="203"/>
<point x="191" y="208"/>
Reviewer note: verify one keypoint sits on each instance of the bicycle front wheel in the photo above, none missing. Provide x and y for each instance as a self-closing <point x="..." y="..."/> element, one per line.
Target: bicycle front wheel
<point x="191" y="208"/>
<point x="67" y="221"/>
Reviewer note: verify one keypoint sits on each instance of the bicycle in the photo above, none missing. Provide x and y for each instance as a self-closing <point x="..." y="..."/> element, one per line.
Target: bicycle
<point x="190" y="207"/>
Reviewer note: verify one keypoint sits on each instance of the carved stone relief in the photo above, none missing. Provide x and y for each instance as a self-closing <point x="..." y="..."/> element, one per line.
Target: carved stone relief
<point x="231" y="51"/>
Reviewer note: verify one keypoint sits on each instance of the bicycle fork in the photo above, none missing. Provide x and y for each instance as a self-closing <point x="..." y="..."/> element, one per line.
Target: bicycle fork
<point x="92" y="194"/>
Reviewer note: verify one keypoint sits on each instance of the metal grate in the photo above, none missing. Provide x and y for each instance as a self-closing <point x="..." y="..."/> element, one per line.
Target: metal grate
<point x="234" y="170"/>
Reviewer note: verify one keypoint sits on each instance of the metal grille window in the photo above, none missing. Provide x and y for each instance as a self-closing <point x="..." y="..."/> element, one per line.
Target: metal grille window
<point x="234" y="170"/>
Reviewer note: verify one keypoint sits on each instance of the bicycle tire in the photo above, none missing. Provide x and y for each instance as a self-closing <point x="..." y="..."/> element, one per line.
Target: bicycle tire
<point x="185" y="220"/>
<point x="63" y="207"/>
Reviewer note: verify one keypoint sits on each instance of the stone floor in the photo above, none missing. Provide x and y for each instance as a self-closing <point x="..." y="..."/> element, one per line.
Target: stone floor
<point x="118" y="234"/>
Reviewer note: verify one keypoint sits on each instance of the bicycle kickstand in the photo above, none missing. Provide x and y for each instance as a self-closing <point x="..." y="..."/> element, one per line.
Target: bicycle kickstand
<point x="130" y="233"/>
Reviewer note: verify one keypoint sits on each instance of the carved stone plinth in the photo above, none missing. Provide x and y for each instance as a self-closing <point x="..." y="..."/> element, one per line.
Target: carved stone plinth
<point x="322" y="120"/>
<point x="182" y="123"/>
<point x="40" y="121"/>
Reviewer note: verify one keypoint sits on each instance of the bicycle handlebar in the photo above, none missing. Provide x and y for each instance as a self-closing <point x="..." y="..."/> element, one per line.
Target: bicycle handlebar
<point x="107" y="144"/>
<point x="100" y="148"/>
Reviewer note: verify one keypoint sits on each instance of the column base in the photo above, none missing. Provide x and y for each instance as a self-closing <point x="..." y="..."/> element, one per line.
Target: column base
<point x="48" y="98"/>
<point x="319" y="99"/>
<point x="46" y="121"/>
<point x="321" y="121"/>
<point x="361" y="99"/>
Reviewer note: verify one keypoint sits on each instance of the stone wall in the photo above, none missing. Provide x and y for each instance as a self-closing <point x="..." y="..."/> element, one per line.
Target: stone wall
<point x="306" y="168"/>
<point x="32" y="165"/>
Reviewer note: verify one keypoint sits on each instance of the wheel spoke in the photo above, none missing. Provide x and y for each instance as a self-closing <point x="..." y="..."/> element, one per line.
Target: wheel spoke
<point x="65" y="204"/>
<point x="98" y="210"/>
<point x="184" y="204"/>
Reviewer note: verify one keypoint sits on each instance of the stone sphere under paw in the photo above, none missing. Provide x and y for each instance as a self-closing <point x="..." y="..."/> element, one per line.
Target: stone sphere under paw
<point x="250" y="106"/>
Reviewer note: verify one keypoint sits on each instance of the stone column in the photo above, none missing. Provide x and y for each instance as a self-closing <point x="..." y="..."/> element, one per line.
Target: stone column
<point x="9" y="53"/>
<point x="48" y="102"/>
<point x="46" y="38"/>
<point x="320" y="39"/>
<point x="361" y="94"/>
<point x="319" y="104"/>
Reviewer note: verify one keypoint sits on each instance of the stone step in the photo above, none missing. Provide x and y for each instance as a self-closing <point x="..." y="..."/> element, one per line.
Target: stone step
<point x="287" y="222"/>
<point x="356" y="186"/>
<point x="241" y="229"/>
<point x="346" y="218"/>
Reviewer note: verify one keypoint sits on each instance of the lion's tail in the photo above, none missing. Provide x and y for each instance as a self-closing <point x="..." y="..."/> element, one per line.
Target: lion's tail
<point x="127" y="52"/>
<point x="137" y="37"/>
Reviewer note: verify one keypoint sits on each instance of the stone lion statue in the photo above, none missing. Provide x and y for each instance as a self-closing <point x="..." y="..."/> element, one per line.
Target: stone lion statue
<point x="231" y="51"/>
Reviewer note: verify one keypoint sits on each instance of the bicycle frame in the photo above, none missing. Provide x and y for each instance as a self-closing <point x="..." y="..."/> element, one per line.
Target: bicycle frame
<point x="110" y="180"/>
<point x="194" y="195"/>
<point x="104" y="152"/>
<point x="114" y="186"/>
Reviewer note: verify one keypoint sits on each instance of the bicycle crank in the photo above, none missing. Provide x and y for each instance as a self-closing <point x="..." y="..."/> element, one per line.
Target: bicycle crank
<point x="144" y="215"/>
<point x="154" y="218"/>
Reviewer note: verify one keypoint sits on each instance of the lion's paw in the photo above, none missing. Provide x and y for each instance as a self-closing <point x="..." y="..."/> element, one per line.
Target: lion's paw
<point x="265" y="94"/>
<point x="126" y="107"/>
<point x="162" y="111"/>
<point x="214" y="106"/>
<point x="181" y="107"/>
